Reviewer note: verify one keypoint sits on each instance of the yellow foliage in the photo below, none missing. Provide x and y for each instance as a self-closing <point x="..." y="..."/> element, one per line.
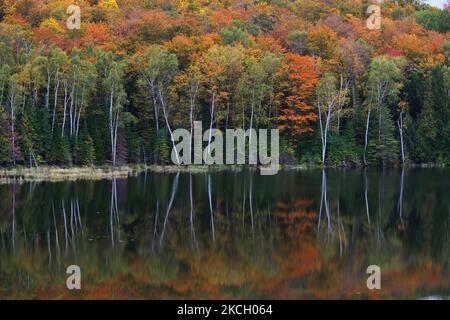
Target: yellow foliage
<point x="108" y="4"/>
<point x="9" y="7"/>
<point x="52" y="24"/>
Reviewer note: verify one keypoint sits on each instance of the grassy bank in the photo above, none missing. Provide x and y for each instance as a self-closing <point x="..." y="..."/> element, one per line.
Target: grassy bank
<point x="47" y="173"/>
<point x="51" y="173"/>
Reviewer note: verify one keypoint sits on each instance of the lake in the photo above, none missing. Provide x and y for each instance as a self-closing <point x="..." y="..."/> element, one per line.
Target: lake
<point x="308" y="234"/>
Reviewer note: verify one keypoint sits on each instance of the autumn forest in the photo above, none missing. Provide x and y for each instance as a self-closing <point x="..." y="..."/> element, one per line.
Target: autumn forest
<point x="113" y="91"/>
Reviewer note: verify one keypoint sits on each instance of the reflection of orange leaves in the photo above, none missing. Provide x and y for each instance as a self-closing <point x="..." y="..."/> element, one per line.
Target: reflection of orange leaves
<point x="405" y="282"/>
<point x="297" y="215"/>
<point x="302" y="260"/>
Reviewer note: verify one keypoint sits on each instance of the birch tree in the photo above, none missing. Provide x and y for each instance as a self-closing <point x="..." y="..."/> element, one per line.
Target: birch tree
<point x="383" y="85"/>
<point x="15" y="95"/>
<point x="329" y="101"/>
<point x="157" y="68"/>
<point x="115" y="96"/>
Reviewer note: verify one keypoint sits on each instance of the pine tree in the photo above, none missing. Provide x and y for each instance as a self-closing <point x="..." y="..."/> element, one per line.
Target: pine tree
<point x="383" y="146"/>
<point x="161" y="149"/>
<point x="86" y="150"/>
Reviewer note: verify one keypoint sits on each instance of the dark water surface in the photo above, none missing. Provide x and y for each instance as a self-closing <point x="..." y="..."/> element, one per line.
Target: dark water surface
<point x="296" y="235"/>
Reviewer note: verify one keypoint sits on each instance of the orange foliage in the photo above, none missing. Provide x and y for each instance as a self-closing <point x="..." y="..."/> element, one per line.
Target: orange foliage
<point x="299" y="113"/>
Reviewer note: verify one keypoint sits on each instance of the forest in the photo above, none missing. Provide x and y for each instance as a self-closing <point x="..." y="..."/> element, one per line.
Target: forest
<point x="113" y="91"/>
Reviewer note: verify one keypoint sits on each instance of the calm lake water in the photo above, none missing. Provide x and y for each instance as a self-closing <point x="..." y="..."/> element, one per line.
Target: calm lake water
<point x="296" y="235"/>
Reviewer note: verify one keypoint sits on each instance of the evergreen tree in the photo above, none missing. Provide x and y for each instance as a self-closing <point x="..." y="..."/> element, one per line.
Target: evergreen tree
<point x="86" y="151"/>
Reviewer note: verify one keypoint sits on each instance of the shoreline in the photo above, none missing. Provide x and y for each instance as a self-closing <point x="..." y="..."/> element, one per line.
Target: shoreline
<point x="55" y="174"/>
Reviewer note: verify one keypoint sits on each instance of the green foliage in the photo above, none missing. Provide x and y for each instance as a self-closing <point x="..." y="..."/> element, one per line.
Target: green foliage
<point x="86" y="150"/>
<point x="343" y="148"/>
<point x="127" y="80"/>
<point x="383" y="147"/>
<point x="161" y="149"/>
<point x="434" y="19"/>
<point x="4" y="152"/>
<point x="233" y="33"/>
<point x="60" y="153"/>
<point x="297" y="42"/>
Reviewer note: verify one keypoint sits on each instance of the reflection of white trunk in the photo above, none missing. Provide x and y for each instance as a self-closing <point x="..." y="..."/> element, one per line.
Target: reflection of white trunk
<point x="366" y="195"/>
<point x="49" y="247"/>
<point x="250" y="199"/>
<point x="243" y="207"/>
<point x="113" y="210"/>
<point x="191" y="215"/>
<point x="58" y="251"/>
<point x="400" y="197"/>
<point x="65" y="225"/>
<point x="324" y="202"/>
<point x="155" y="225"/>
<point x="211" y="207"/>
<point x="169" y="207"/>
<point x="13" y="236"/>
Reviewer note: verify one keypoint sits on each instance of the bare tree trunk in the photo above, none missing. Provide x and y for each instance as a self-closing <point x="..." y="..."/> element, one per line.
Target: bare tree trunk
<point x="366" y="137"/>
<point x="211" y="113"/>
<point x="168" y="125"/>
<point x="13" y="135"/>
<point x="400" y="130"/>
<point x="112" y="127"/>
<point x="191" y="118"/>
<point x="56" y="88"/>
<point x="12" y="102"/>
<point x="251" y="118"/>
<point x="47" y="94"/>
<point x="66" y="99"/>
<point x="151" y="84"/>
<point x="324" y="131"/>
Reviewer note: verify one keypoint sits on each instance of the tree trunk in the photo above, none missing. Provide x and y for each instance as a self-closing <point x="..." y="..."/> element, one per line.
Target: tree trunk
<point x="55" y="99"/>
<point x="168" y="126"/>
<point x="65" y="108"/>
<point x="366" y="135"/>
<point x="211" y="123"/>
<point x="400" y="129"/>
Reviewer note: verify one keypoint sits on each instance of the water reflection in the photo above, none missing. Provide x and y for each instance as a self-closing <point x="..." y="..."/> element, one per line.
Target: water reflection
<point x="308" y="234"/>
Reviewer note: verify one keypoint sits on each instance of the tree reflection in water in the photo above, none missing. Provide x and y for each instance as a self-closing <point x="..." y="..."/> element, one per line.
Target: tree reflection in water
<point x="305" y="234"/>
